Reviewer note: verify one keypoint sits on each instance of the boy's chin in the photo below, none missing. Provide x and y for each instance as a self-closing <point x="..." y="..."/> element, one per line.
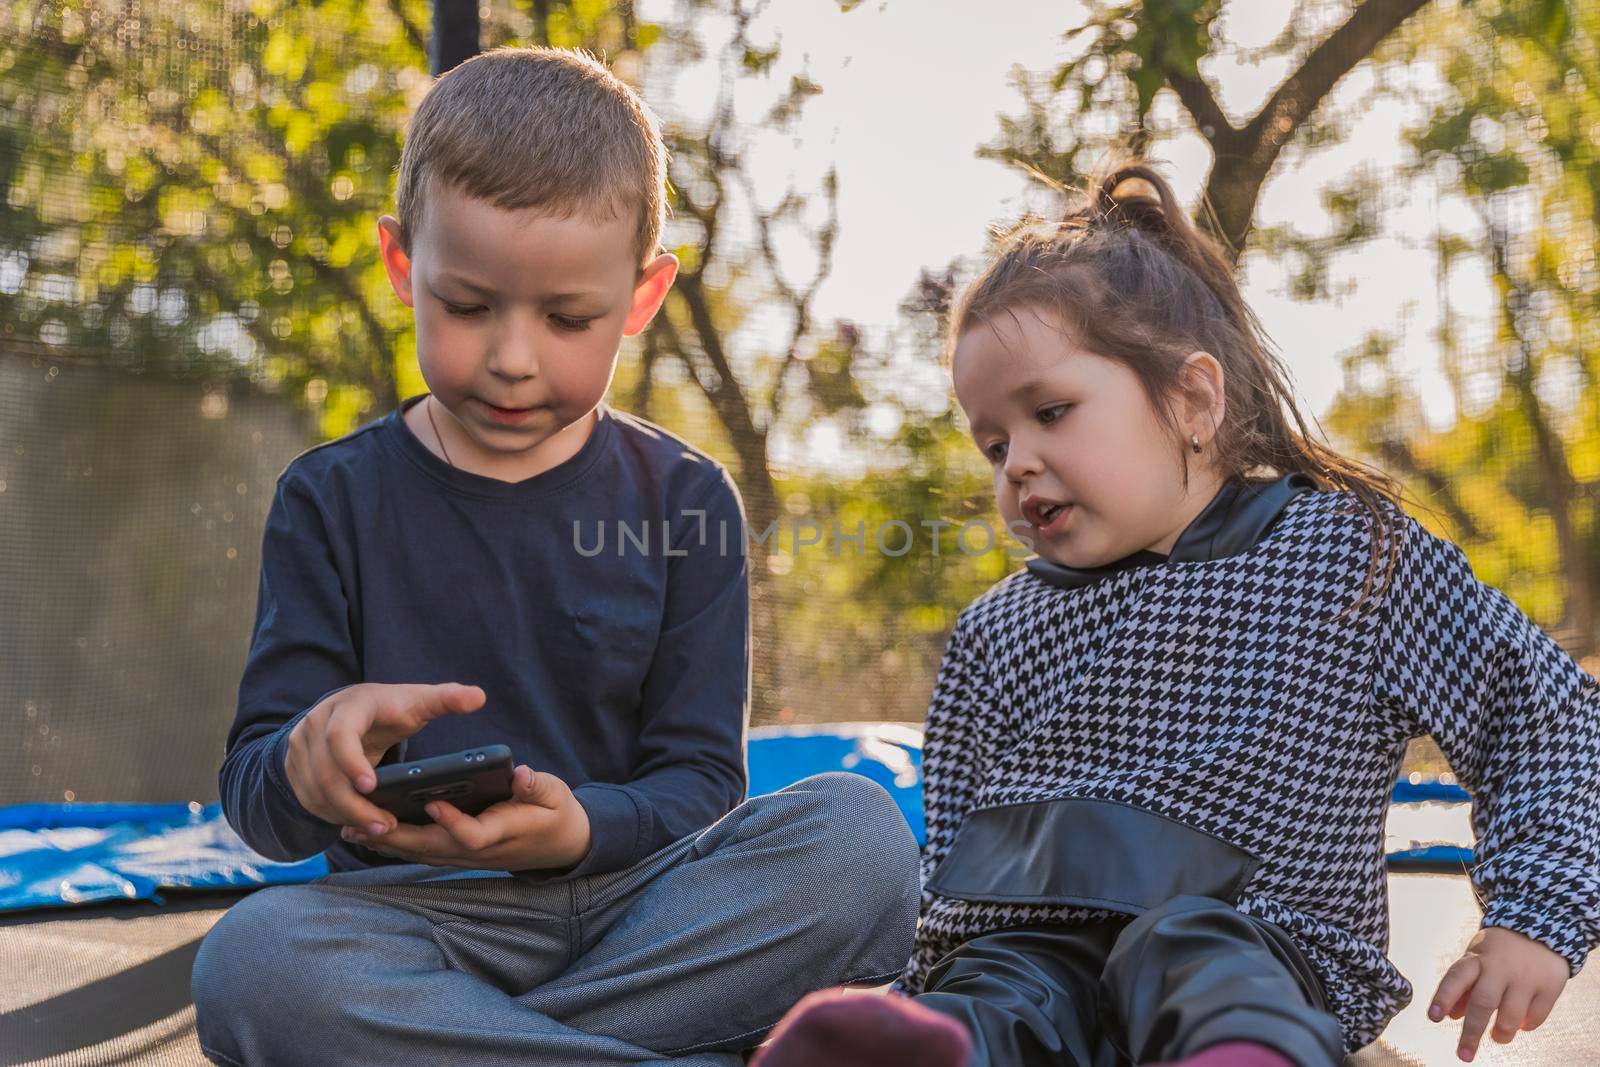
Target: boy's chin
<point x="515" y="433"/>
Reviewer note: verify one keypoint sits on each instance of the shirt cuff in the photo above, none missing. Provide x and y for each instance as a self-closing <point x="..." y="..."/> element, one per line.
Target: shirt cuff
<point x="1565" y="938"/>
<point x="614" y="827"/>
<point x="278" y="774"/>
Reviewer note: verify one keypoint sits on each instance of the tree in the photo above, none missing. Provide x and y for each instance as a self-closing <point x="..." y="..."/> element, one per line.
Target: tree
<point x="210" y="210"/>
<point x="1519" y="472"/>
<point x="1130" y="52"/>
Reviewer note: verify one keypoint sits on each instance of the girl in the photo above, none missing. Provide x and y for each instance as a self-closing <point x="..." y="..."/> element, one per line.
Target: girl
<point x="1158" y="759"/>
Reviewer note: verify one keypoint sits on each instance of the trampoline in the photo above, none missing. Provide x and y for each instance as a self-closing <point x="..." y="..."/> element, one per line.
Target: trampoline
<point x="106" y="980"/>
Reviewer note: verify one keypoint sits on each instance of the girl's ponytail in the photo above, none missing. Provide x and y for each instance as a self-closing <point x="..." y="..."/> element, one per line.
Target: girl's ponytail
<point x="1136" y="195"/>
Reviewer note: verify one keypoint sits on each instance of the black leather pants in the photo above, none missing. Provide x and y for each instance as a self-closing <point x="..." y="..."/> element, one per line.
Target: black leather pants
<point x="1183" y="975"/>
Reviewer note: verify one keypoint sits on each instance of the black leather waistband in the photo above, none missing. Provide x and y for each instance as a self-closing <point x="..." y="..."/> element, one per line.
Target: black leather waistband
<point x="1096" y="853"/>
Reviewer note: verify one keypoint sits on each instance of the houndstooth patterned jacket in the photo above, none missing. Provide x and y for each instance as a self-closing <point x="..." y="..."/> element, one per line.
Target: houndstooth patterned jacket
<point x="1240" y="697"/>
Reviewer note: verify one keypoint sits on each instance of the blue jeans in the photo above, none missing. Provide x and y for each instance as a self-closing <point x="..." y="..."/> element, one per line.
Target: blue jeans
<point x="690" y="956"/>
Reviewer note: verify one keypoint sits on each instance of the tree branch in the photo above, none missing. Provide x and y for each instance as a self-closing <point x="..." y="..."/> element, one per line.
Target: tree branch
<point x="647" y="369"/>
<point x="1239" y="171"/>
<point x="1336" y="56"/>
<point x="1397" y="454"/>
<point x="1560" y="485"/>
<point x="823" y="240"/>
<point x="728" y="397"/>
<point x="414" y="34"/>
<point x="1201" y="103"/>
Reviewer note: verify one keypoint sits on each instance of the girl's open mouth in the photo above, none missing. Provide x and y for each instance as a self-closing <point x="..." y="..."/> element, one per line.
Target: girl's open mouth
<point x="1052" y="518"/>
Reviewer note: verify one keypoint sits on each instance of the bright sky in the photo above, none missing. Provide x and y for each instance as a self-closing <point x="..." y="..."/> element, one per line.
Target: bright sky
<point x="913" y="87"/>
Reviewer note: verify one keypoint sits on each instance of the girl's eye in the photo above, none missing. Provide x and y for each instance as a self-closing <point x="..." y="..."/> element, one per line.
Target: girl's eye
<point x="567" y="322"/>
<point x="996" y="452"/>
<point x="1052" y="413"/>
<point x="463" y="311"/>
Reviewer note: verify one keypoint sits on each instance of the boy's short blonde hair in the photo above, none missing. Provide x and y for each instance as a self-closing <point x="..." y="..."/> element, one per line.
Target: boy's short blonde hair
<point x="536" y="128"/>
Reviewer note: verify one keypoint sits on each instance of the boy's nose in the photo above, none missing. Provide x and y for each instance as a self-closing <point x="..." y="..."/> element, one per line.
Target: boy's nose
<point x="515" y="358"/>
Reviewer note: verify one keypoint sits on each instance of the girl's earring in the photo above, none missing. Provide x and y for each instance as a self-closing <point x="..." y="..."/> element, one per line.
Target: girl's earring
<point x="1194" y="437"/>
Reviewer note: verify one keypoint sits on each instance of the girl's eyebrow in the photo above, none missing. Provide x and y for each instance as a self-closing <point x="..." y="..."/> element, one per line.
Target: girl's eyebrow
<point x="1020" y="392"/>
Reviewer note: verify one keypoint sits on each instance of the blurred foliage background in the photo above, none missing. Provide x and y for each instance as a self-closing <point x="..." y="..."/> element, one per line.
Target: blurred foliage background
<point x="190" y="294"/>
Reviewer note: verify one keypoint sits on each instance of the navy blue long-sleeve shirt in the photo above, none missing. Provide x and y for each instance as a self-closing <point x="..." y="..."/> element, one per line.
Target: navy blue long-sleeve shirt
<point x="601" y="605"/>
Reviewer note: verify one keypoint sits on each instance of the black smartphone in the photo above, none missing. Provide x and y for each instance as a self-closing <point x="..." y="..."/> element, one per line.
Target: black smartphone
<point x="472" y="780"/>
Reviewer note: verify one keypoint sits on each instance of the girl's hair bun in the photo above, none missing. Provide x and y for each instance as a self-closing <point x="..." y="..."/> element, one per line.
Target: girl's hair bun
<point x="1133" y="195"/>
<point x="1134" y="185"/>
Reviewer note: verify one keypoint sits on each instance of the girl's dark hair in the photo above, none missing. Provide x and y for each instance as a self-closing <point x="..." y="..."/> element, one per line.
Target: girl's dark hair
<point x="1133" y="280"/>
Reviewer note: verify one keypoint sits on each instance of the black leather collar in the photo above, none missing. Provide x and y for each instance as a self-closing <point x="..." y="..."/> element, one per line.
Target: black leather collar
<point x="1238" y="516"/>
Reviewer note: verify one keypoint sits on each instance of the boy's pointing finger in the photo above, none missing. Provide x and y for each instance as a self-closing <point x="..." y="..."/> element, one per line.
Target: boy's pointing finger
<point x="447" y="698"/>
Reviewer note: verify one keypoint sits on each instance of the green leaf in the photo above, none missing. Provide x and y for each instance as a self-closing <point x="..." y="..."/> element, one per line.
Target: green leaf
<point x="1554" y="21"/>
<point x="759" y="61"/>
<point x="1148" y="81"/>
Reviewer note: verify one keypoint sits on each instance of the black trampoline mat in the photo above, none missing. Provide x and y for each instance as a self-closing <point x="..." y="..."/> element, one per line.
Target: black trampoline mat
<point x="105" y="983"/>
<point x="109" y="984"/>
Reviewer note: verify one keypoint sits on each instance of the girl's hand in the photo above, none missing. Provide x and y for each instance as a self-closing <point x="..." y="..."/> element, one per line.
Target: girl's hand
<point x="541" y="826"/>
<point x="1500" y="969"/>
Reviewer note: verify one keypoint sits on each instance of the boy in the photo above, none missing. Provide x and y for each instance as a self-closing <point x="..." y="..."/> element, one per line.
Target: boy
<point x="593" y="918"/>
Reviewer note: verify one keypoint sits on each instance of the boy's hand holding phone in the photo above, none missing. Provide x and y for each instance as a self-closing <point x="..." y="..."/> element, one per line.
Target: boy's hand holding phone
<point x="541" y="826"/>
<point x="333" y="750"/>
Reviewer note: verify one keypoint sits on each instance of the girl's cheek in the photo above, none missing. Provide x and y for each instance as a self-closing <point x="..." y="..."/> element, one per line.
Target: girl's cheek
<point x="1006" y="498"/>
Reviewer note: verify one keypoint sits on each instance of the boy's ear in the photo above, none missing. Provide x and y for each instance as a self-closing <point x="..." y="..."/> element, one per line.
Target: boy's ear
<point x="395" y="260"/>
<point x="649" y="292"/>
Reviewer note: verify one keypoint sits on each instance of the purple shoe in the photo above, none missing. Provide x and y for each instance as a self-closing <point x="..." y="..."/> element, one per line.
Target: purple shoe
<point x="834" y="1029"/>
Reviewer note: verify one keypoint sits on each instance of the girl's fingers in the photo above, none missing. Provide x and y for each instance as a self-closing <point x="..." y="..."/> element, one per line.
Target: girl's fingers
<point x="1513" y="1010"/>
<point x="1539" y="1009"/>
<point x="1453" y="988"/>
<point x="1481" y="1003"/>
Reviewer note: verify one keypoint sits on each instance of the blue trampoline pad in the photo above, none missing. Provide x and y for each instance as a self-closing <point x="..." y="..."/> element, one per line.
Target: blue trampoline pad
<point x="60" y="854"/>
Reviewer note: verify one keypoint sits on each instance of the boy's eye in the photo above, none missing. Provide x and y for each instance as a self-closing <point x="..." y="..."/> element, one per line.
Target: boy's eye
<point x="568" y="322"/>
<point x="996" y="452"/>
<point x="1052" y="413"/>
<point x="465" y="311"/>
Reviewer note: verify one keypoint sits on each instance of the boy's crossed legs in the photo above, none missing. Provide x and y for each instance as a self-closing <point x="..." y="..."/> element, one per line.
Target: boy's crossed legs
<point x="691" y="956"/>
